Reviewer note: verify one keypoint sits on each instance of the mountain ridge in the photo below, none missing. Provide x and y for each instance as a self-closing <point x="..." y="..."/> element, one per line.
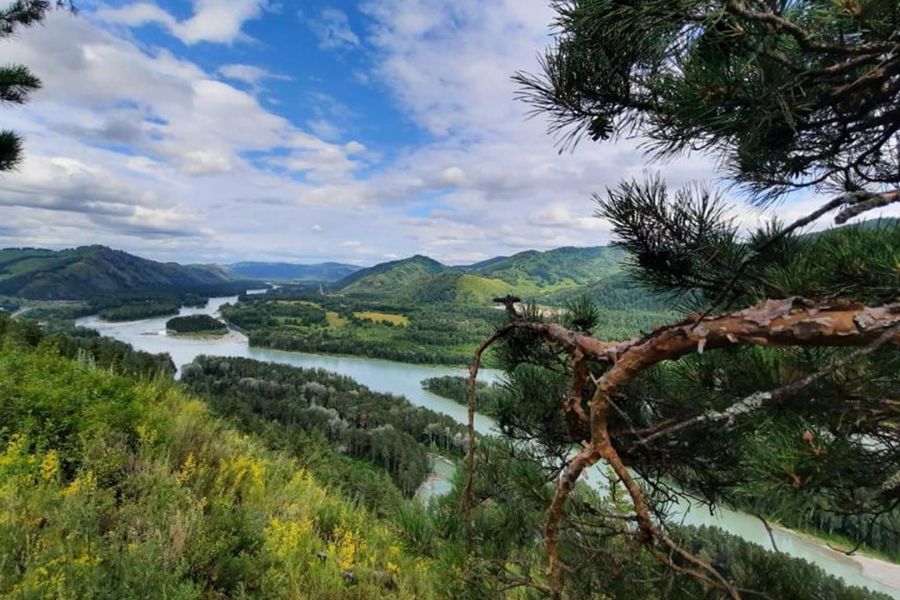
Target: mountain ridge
<point x="88" y="271"/>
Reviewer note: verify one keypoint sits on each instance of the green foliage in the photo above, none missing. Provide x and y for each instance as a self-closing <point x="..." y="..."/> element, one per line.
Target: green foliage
<point x="533" y="272"/>
<point x="487" y="396"/>
<point x="134" y="311"/>
<point x="764" y="86"/>
<point x="16" y="82"/>
<point x="581" y="314"/>
<point x="110" y="487"/>
<point x="296" y="319"/>
<point x="390" y="276"/>
<point x="685" y="244"/>
<point x="196" y="324"/>
<point x="88" y="347"/>
<point x="422" y="280"/>
<point x="511" y="495"/>
<point x="97" y="273"/>
<point x="804" y="462"/>
<point x="381" y="428"/>
<point x="115" y="489"/>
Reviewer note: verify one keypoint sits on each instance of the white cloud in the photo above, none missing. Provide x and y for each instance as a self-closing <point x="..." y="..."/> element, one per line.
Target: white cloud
<point x="218" y="21"/>
<point x="332" y="28"/>
<point x="184" y="174"/>
<point x="249" y="74"/>
<point x="208" y="173"/>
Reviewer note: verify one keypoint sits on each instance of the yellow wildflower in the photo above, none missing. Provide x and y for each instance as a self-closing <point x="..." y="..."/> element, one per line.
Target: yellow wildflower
<point x="83" y="483"/>
<point x="146" y="434"/>
<point x="187" y="469"/>
<point x="347" y="546"/>
<point x="393" y="569"/>
<point x="50" y="465"/>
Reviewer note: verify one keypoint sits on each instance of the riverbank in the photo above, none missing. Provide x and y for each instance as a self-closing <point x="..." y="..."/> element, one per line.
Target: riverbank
<point x="405" y="379"/>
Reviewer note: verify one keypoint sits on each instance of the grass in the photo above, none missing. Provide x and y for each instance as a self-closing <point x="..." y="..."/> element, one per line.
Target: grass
<point x="481" y="289"/>
<point x="335" y="319"/>
<point x="122" y="486"/>
<point x="380" y="317"/>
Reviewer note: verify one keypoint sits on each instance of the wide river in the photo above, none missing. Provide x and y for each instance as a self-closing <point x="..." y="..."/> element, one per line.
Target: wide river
<point x="406" y="380"/>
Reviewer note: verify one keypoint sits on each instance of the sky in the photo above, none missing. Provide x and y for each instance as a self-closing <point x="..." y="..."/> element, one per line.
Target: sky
<point x="305" y="131"/>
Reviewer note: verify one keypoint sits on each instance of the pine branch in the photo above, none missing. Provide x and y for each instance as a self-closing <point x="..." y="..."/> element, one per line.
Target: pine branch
<point x="17" y="83"/>
<point x="759" y="400"/>
<point x="10" y="150"/>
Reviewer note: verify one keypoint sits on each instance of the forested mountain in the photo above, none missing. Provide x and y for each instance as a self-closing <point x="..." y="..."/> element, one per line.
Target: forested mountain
<point x="562" y="268"/>
<point x="554" y="276"/>
<point x="281" y="271"/>
<point x="391" y="276"/>
<point x="86" y="272"/>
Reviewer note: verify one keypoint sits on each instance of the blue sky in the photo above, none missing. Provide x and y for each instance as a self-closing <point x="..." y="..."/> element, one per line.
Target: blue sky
<point x="216" y="131"/>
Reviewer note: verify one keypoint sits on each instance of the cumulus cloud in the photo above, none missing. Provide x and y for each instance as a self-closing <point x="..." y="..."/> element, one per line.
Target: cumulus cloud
<point x="141" y="148"/>
<point x="332" y="28"/>
<point x="126" y="143"/>
<point x="218" y="21"/>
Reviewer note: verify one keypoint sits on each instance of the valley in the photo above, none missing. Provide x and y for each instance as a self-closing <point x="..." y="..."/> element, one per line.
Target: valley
<point x="413" y="382"/>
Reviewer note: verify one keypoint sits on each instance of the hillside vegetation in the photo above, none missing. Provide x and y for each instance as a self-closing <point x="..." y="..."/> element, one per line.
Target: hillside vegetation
<point x="527" y="274"/>
<point x="91" y="271"/>
<point x="418" y="310"/>
<point x="196" y="324"/>
<point x="391" y="276"/>
<point x="114" y="488"/>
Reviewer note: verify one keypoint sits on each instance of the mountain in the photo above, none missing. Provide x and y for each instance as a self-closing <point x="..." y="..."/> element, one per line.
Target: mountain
<point x="453" y="286"/>
<point x="555" y="274"/>
<point x="91" y="271"/>
<point x="533" y="271"/>
<point x="391" y="276"/>
<point x="281" y="271"/>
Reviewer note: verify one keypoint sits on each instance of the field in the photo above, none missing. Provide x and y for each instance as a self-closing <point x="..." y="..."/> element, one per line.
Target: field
<point x="379" y="317"/>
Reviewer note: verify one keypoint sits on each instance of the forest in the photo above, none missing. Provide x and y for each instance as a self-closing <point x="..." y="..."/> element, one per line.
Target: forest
<point x="384" y="429"/>
<point x="138" y="484"/>
<point x="196" y="324"/>
<point x="488" y="397"/>
<point x="304" y="320"/>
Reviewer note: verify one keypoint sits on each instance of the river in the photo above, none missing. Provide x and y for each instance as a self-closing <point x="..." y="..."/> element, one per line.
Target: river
<point x="405" y="379"/>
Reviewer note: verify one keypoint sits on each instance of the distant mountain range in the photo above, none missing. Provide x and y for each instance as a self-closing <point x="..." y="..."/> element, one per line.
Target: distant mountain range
<point x="531" y="274"/>
<point x="281" y="271"/>
<point x="91" y="271"/>
<point x="553" y="276"/>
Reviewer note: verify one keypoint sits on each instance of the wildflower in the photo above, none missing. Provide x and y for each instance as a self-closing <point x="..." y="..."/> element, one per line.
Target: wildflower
<point x="50" y="465"/>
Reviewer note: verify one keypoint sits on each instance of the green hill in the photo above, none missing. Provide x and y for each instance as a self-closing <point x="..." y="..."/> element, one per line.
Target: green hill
<point x="533" y="271"/>
<point x="528" y="274"/>
<point x="112" y="487"/>
<point x="616" y="292"/>
<point x="91" y="271"/>
<point x="455" y="287"/>
<point x="280" y="271"/>
<point x="391" y="276"/>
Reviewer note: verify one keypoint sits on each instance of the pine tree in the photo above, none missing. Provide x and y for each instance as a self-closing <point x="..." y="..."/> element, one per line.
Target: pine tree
<point x="16" y="81"/>
<point x="779" y="390"/>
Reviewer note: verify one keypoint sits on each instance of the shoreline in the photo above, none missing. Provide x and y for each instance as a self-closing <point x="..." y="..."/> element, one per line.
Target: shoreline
<point x="881" y="570"/>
